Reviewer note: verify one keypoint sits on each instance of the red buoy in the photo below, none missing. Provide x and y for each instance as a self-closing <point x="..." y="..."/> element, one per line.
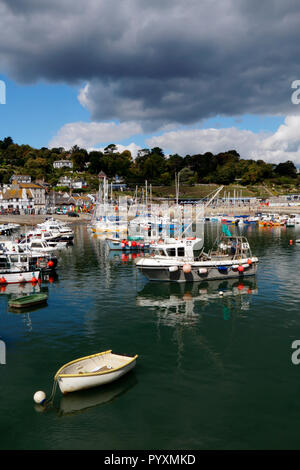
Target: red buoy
<point x="241" y="269"/>
<point x="34" y="280"/>
<point x="50" y="263"/>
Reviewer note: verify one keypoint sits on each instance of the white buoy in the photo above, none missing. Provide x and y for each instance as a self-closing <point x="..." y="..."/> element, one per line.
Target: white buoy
<point x="221" y="292"/>
<point x="39" y="397"/>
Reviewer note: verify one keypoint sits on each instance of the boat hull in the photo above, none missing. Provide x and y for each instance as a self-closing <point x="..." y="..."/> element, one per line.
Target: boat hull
<point x="210" y="272"/>
<point x="19" y="277"/>
<point x="93" y="371"/>
<point x="28" y="301"/>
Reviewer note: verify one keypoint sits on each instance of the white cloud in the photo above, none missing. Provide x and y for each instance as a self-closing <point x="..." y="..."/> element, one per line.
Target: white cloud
<point x="90" y="134"/>
<point x="282" y="145"/>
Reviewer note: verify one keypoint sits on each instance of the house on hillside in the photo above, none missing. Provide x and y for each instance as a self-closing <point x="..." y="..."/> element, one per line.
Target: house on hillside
<point x="57" y="164"/>
<point x="20" y="178"/>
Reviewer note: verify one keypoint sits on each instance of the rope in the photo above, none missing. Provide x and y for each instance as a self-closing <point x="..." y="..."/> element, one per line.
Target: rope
<point x="50" y="400"/>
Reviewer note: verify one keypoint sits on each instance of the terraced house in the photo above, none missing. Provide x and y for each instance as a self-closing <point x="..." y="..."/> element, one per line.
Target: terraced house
<point x="22" y="196"/>
<point x="16" y="198"/>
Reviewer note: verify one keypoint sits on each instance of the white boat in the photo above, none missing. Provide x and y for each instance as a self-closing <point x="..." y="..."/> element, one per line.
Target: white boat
<point x="92" y="371"/>
<point x="61" y="230"/>
<point x="183" y="261"/>
<point x="16" y="268"/>
<point x="37" y="245"/>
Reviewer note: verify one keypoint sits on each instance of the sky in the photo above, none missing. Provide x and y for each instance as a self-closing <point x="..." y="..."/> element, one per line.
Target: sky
<point x="189" y="77"/>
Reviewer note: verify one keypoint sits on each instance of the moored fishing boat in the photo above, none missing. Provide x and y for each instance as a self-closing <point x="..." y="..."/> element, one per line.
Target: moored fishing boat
<point x="92" y="371"/>
<point x="184" y="260"/>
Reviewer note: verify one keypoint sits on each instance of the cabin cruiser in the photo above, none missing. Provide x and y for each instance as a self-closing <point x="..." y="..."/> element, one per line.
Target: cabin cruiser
<point x="62" y="231"/>
<point x="35" y="244"/>
<point x="183" y="260"/>
<point x="17" y="268"/>
<point x="45" y="241"/>
<point x="21" y="255"/>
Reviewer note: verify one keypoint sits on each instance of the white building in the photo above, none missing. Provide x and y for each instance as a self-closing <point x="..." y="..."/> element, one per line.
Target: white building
<point x="16" y="199"/>
<point x="63" y="163"/>
<point x="21" y="178"/>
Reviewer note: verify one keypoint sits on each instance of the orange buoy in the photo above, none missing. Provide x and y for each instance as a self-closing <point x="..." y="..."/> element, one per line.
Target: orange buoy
<point x="2" y="280"/>
<point x="249" y="261"/>
<point x="34" y="280"/>
<point x="241" y="269"/>
<point x="50" y="263"/>
<point x="186" y="268"/>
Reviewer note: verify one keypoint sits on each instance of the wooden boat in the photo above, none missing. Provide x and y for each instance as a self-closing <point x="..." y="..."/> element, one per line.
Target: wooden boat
<point x="28" y="301"/>
<point x="92" y="371"/>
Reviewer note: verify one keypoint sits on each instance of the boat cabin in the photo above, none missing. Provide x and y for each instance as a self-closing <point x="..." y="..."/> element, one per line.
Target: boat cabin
<point x="185" y="248"/>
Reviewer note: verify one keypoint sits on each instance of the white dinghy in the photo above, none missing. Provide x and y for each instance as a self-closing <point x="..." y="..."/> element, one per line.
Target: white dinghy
<point x="92" y="371"/>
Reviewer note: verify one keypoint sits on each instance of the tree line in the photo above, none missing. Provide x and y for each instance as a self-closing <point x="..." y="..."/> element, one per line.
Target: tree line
<point x="150" y="164"/>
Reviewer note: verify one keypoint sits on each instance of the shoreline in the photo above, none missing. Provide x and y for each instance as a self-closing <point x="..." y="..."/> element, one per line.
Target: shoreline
<point x="33" y="220"/>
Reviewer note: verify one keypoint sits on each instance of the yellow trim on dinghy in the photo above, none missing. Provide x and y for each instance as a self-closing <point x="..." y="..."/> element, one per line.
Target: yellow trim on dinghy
<point x="87" y="374"/>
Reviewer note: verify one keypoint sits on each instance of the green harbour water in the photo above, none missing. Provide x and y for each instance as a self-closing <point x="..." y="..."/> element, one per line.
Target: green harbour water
<point x="214" y="371"/>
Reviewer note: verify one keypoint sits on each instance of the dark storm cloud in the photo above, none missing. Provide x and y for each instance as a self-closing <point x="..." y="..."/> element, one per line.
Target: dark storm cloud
<point x="158" y="62"/>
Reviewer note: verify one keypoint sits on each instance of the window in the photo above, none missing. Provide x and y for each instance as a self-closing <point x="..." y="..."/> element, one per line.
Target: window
<point x="180" y="251"/>
<point x="36" y="245"/>
<point x="171" y="251"/>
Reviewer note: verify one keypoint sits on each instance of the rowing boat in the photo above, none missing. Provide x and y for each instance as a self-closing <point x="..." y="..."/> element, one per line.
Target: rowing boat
<point x="92" y="371"/>
<point x="28" y="300"/>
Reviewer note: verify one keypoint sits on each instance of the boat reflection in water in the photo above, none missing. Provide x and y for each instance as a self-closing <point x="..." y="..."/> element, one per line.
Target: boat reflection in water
<point x="73" y="403"/>
<point x="176" y="302"/>
<point x="17" y="290"/>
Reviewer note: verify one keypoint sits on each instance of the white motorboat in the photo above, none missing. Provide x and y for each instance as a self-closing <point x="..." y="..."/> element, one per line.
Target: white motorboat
<point x="17" y="268"/>
<point x="184" y="261"/>
<point x="62" y="231"/>
<point x="37" y="245"/>
<point x="92" y="371"/>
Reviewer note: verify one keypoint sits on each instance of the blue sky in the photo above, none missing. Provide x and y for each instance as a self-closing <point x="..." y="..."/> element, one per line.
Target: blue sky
<point x="33" y="113"/>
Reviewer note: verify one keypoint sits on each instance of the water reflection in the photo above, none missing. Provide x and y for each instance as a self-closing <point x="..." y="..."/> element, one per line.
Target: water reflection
<point x="77" y="402"/>
<point x="17" y="290"/>
<point x="177" y="302"/>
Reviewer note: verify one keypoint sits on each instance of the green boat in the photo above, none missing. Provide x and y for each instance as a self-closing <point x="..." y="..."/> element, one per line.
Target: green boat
<point x="28" y="301"/>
